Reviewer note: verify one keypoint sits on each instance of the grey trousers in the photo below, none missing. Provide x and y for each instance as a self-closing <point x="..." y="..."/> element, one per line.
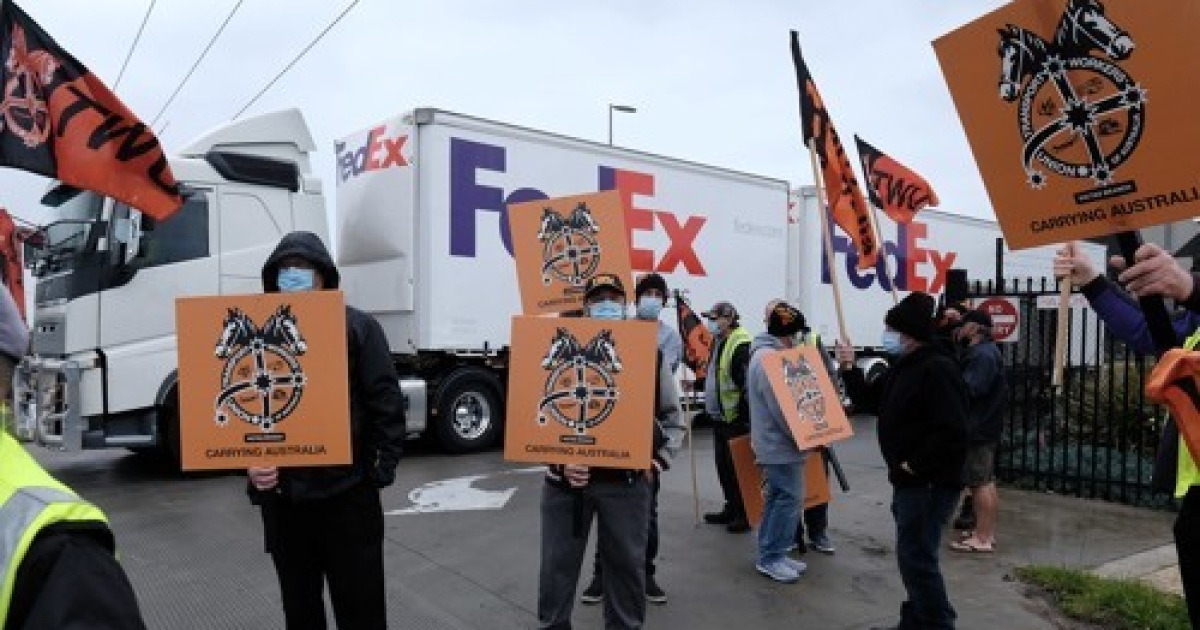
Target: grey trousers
<point x="624" y="516"/>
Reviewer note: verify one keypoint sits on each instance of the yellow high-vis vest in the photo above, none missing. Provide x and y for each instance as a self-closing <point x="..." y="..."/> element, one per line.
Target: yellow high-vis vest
<point x="727" y="390"/>
<point x="30" y="501"/>
<point x="1186" y="473"/>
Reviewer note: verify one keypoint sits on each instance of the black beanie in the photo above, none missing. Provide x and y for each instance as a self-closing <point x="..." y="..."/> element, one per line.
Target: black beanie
<point x="785" y="320"/>
<point x="650" y="281"/>
<point x="913" y="316"/>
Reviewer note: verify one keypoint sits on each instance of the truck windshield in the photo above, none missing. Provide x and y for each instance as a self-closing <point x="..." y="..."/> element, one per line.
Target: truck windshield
<point x="70" y="234"/>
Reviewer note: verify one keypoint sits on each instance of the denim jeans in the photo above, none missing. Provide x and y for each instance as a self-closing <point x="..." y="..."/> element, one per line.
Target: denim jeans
<point x="921" y="514"/>
<point x="781" y="512"/>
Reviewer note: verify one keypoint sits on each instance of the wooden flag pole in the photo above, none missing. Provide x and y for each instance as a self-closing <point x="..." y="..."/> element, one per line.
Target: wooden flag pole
<point x="828" y="239"/>
<point x="691" y="435"/>
<point x="882" y="252"/>
<point x="1060" y="338"/>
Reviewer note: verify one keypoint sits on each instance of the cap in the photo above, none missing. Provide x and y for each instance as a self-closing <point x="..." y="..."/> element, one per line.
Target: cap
<point x="603" y="281"/>
<point x="721" y="309"/>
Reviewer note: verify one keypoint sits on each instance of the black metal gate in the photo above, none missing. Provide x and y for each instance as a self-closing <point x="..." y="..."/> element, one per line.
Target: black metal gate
<point x="1096" y="436"/>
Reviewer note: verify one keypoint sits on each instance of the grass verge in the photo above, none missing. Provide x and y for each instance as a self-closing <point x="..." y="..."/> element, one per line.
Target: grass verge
<point x="1116" y="604"/>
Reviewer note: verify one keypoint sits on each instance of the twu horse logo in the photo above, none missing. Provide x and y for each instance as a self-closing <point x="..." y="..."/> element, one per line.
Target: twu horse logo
<point x="805" y="388"/>
<point x="580" y="391"/>
<point x="1110" y="104"/>
<point x="570" y="251"/>
<point x="262" y="380"/>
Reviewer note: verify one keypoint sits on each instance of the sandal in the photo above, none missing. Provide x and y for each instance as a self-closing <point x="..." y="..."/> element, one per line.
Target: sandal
<point x="971" y="546"/>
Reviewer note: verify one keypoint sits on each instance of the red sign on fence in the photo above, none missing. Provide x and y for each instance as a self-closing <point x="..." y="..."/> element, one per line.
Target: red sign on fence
<point x="1005" y="315"/>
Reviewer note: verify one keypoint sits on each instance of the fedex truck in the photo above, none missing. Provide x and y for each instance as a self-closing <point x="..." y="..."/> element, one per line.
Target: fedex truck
<point x="421" y="239"/>
<point x="423" y="243"/>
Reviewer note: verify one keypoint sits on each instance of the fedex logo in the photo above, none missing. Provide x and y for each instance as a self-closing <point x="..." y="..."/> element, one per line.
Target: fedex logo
<point x="378" y="153"/>
<point x="914" y="266"/>
<point x="468" y="198"/>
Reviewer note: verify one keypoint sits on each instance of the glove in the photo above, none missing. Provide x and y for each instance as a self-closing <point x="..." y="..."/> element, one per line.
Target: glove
<point x="384" y="477"/>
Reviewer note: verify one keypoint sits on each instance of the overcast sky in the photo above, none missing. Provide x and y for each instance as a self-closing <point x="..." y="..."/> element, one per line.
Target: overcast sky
<point x="712" y="79"/>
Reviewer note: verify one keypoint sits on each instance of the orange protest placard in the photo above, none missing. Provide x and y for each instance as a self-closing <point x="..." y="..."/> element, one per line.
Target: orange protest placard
<point x="750" y="479"/>
<point x="809" y="402"/>
<point x="560" y="243"/>
<point x="1077" y="114"/>
<point x="262" y="380"/>
<point x="581" y="391"/>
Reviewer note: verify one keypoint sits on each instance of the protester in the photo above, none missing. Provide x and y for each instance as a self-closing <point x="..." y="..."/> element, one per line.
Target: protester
<point x="726" y="406"/>
<point x="1155" y="272"/>
<point x="651" y="293"/>
<point x="983" y="372"/>
<point x="775" y="450"/>
<point x="60" y="568"/>
<point x="619" y="498"/>
<point x="922" y="430"/>
<point x="325" y="524"/>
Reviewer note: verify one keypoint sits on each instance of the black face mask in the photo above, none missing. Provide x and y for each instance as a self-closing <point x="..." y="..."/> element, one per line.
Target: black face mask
<point x="965" y="342"/>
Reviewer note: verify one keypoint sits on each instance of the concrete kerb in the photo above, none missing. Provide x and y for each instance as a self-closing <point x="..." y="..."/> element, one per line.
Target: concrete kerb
<point x="1157" y="567"/>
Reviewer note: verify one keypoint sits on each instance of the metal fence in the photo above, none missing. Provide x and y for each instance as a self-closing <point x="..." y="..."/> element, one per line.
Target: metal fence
<point x="1094" y="437"/>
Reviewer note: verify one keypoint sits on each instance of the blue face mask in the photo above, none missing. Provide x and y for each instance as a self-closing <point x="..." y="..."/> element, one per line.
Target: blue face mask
<point x="891" y="343"/>
<point x="649" y="307"/>
<point x="713" y="327"/>
<point x="607" y="309"/>
<point x="292" y="279"/>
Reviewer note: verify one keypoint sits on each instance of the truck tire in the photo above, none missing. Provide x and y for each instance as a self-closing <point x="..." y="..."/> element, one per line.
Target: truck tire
<point x="470" y="411"/>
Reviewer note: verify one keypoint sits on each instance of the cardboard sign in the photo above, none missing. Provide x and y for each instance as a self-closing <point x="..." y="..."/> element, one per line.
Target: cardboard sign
<point x="581" y="391"/>
<point x="807" y="397"/>
<point x="560" y="243"/>
<point x="262" y="380"/>
<point x="1078" y="114"/>
<point x="751" y="482"/>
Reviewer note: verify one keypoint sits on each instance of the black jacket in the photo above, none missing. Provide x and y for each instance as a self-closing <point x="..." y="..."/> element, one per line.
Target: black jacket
<point x="922" y="402"/>
<point x="983" y="371"/>
<point x="376" y="405"/>
<point x="70" y="579"/>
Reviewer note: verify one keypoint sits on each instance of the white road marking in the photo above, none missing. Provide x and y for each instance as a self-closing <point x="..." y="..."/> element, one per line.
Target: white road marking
<point x="460" y="495"/>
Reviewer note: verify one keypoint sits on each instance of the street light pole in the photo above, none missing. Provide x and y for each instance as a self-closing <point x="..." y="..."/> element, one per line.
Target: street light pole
<point x="625" y="109"/>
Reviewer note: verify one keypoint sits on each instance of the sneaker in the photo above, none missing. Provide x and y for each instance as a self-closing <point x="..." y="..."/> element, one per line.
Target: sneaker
<point x="654" y="593"/>
<point x="594" y="593"/>
<point x="798" y="565"/>
<point x="779" y="571"/>
<point x="822" y="543"/>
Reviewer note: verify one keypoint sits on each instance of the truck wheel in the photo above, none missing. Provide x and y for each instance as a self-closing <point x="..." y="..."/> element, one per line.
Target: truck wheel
<point x="470" y="412"/>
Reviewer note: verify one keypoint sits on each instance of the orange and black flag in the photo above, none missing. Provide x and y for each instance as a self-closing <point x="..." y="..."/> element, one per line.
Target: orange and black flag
<point x="697" y="340"/>
<point x="57" y="119"/>
<point x="893" y="187"/>
<point x="846" y="203"/>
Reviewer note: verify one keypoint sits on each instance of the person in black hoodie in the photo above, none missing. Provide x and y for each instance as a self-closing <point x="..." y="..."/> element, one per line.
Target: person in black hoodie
<point x="325" y="524"/>
<point x="922" y="402"/>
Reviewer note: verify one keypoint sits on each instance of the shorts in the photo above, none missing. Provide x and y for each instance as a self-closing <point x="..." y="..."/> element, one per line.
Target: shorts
<point x="980" y="467"/>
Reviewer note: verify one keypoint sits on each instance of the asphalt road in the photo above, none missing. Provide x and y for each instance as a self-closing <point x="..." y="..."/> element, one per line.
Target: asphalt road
<point x="462" y="553"/>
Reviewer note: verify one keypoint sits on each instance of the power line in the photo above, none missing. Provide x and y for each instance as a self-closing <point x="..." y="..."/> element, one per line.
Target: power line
<point x="296" y="59"/>
<point x="203" y="53"/>
<point x="133" y="46"/>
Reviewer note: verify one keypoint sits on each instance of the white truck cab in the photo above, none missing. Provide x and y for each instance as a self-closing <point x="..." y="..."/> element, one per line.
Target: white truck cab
<point x="102" y="372"/>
